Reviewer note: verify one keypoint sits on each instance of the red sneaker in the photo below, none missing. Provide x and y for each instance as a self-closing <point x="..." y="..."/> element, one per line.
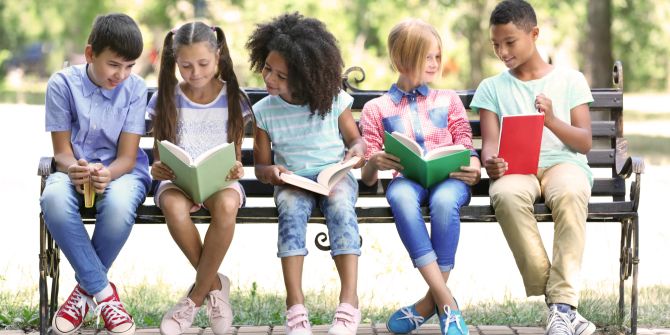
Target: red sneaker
<point x="117" y="320"/>
<point x="71" y="314"/>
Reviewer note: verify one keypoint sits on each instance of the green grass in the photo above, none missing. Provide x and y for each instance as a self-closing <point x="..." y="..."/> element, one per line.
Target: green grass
<point x="147" y="303"/>
<point x="654" y="149"/>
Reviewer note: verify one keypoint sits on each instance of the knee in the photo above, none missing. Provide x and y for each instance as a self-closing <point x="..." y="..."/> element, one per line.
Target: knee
<point x="225" y="206"/>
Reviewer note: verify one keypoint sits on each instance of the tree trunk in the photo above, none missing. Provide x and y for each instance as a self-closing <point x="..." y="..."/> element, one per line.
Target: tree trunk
<point x="599" y="61"/>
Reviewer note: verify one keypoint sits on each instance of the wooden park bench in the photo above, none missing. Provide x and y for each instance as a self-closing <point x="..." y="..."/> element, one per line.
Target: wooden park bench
<point x="611" y="201"/>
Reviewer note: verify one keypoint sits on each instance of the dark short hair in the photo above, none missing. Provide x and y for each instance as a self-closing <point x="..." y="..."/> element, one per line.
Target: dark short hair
<point x="519" y="12"/>
<point x="119" y="33"/>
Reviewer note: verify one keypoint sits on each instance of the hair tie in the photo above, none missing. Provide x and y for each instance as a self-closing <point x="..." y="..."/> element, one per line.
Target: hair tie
<point x="174" y="30"/>
<point x="213" y="28"/>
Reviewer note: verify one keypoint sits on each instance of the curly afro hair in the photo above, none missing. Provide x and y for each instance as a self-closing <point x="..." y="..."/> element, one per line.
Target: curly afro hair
<point x="311" y="53"/>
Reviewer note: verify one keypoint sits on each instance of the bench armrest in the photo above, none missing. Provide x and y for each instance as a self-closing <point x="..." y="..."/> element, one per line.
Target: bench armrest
<point x="626" y="166"/>
<point x="46" y="166"/>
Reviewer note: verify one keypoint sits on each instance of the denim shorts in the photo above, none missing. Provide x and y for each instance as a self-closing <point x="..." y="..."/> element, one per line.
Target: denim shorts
<point x="339" y="208"/>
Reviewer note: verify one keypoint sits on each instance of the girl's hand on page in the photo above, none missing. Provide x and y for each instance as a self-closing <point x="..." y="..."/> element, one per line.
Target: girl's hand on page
<point x="383" y="161"/>
<point x="355" y="152"/>
<point x="236" y="172"/>
<point x="79" y="174"/>
<point x="160" y="171"/>
<point x="271" y="174"/>
<point x="495" y="167"/>
<point x="101" y="177"/>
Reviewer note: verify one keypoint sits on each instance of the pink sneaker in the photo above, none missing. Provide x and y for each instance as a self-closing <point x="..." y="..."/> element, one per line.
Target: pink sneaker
<point x="218" y="307"/>
<point x="346" y="320"/>
<point x="179" y="318"/>
<point x="116" y="318"/>
<point x="71" y="314"/>
<point x="297" y="321"/>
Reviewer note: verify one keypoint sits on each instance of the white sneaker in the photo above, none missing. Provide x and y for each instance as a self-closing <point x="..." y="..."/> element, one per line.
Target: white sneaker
<point x="218" y="307"/>
<point x="582" y="326"/>
<point x="559" y="323"/>
<point x="179" y="318"/>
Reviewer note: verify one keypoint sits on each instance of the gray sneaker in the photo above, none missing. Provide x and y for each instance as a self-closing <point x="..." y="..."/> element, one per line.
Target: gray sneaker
<point x="559" y="323"/>
<point x="582" y="326"/>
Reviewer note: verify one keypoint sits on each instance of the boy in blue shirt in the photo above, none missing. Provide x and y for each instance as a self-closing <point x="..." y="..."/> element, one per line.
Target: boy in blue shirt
<point x="564" y="179"/>
<point x="95" y="113"/>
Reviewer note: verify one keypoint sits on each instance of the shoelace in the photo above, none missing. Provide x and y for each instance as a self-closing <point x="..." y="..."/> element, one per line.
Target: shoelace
<point x="297" y="320"/>
<point x="215" y="307"/>
<point x="417" y="320"/>
<point x="559" y="323"/>
<point x="451" y="318"/>
<point x="112" y="312"/>
<point x="76" y="307"/>
<point x="184" y="315"/>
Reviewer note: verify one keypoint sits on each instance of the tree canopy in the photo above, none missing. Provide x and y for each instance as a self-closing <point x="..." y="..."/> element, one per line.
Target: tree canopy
<point x="639" y="33"/>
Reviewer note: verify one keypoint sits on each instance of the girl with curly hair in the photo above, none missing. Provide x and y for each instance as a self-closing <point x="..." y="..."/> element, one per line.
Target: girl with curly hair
<point x="204" y="110"/>
<point x="307" y="119"/>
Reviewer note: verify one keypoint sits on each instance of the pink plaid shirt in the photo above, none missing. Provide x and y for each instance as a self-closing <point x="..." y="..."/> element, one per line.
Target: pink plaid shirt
<point x="440" y="114"/>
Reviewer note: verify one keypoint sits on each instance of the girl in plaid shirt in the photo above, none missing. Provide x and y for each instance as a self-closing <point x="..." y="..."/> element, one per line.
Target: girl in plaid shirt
<point x="433" y="118"/>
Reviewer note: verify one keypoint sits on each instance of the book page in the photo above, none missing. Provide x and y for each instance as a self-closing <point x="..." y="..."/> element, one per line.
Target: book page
<point x="332" y="174"/>
<point x="408" y="142"/>
<point x="178" y="152"/>
<point x="443" y="151"/>
<point x="304" y="183"/>
<point x="203" y="156"/>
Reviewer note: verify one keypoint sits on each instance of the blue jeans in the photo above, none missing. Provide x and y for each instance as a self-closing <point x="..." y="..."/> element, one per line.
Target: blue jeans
<point x="444" y="201"/>
<point x="295" y="207"/>
<point x="91" y="258"/>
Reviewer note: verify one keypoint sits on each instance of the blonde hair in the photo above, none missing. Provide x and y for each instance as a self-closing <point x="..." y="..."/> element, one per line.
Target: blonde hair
<point x="409" y="43"/>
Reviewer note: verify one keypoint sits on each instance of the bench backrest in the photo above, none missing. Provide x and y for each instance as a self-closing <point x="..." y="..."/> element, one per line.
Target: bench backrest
<point x="609" y="146"/>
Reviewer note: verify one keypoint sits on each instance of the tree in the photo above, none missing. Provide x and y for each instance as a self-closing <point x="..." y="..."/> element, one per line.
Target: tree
<point x="598" y="47"/>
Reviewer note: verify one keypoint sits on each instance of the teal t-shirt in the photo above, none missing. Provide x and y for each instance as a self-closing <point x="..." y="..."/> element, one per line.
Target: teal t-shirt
<point x="303" y="143"/>
<point x="504" y="94"/>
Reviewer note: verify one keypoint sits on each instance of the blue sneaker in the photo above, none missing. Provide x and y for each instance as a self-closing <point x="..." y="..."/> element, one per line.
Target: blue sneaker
<point x="405" y="320"/>
<point x="452" y="323"/>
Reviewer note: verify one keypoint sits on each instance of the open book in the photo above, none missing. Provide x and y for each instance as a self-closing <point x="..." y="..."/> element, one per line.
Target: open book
<point x="520" y="141"/>
<point x="325" y="180"/>
<point x="203" y="176"/>
<point x="426" y="169"/>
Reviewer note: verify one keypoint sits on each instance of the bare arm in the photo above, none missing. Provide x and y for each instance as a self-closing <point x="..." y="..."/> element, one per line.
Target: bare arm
<point x="577" y="134"/>
<point x="263" y="168"/>
<point x="490" y="127"/>
<point x="352" y="137"/>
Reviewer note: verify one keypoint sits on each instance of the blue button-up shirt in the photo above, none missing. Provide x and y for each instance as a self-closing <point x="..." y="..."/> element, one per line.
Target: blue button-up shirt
<point x="95" y="116"/>
<point x="397" y="94"/>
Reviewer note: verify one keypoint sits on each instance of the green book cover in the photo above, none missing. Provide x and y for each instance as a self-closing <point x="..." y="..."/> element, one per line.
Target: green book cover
<point x="203" y="176"/>
<point x="429" y="169"/>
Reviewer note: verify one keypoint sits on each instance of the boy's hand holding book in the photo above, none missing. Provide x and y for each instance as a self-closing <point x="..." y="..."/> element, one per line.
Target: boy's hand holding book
<point x="495" y="167"/>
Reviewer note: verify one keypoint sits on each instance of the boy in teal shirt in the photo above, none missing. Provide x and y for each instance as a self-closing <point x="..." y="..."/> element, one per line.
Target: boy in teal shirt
<point x="564" y="180"/>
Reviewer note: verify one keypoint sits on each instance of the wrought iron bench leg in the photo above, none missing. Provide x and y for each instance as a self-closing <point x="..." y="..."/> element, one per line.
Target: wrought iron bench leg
<point x="629" y="260"/>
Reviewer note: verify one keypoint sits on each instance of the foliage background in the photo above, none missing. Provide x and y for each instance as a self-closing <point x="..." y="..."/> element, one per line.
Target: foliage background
<point x="640" y="33"/>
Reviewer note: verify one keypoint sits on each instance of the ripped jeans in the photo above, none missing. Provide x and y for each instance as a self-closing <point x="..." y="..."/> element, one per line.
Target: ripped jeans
<point x="295" y="207"/>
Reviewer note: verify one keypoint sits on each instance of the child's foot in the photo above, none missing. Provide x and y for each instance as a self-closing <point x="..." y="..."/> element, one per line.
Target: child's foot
<point x="116" y="318"/>
<point x="218" y="307"/>
<point x="179" y="318"/>
<point x="71" y="314"/>
<point x="346" y="320"/>
<point x="297" y="321"/>
<point x="581" y="325"/>
<point x="559" y="320"/>
<point x="452" y="323"/>
<point x="405" y="320"/>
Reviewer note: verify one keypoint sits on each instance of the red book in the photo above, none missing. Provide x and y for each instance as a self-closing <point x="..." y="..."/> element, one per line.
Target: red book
<point x="519" y="142"/>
